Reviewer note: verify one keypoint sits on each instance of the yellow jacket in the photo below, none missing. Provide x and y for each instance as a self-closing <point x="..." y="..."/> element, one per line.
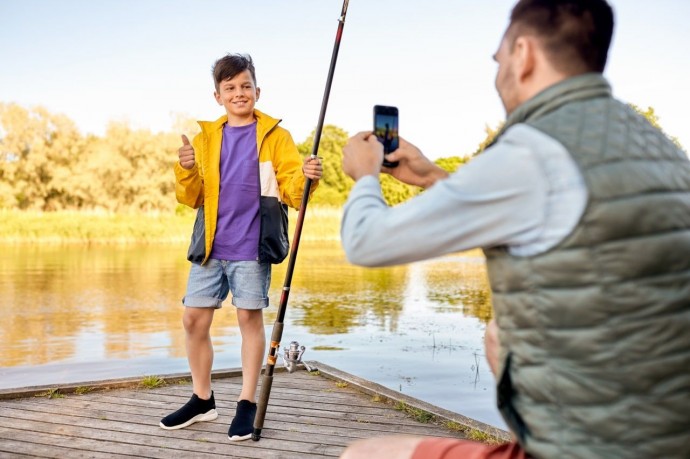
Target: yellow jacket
<point x="281" y="177"/>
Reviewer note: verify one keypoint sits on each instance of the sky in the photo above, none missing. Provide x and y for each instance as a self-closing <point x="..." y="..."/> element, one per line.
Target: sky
<point x="147" y="61"/>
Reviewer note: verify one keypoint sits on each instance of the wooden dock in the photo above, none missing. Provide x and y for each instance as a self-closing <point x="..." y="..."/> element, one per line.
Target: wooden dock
<point x="309" y="415"/>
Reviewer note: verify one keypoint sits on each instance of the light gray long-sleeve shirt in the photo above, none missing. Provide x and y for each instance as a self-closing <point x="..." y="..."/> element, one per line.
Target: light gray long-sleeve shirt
<point x="525" y="193"/>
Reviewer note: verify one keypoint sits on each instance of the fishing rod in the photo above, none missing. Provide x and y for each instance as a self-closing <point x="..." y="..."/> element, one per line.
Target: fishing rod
<point x="277" y="334"/>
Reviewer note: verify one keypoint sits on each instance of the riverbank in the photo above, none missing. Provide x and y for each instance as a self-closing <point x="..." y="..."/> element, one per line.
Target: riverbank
<point x="73" y="227"/>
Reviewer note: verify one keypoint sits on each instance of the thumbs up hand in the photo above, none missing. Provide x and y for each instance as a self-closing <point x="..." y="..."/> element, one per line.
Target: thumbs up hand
<point x="186" y="153"/>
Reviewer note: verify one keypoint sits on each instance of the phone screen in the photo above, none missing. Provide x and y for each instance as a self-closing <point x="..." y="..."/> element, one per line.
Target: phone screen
<point x="386" y="127"/>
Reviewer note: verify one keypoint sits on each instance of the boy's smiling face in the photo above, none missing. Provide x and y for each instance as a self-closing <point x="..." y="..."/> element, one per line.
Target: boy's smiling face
<point x="238" y="95"/>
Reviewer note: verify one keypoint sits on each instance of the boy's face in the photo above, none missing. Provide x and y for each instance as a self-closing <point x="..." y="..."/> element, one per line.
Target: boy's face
<point x="238" y="95"/>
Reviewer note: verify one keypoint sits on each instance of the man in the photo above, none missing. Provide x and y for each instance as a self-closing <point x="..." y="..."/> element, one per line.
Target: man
<point x="583" y="211"/>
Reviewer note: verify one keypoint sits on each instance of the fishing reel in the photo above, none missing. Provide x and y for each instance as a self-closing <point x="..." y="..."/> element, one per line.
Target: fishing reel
<point x="293" y="357"/>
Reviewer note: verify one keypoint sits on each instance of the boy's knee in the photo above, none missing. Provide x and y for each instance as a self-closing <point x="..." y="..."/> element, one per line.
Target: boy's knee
<point x="197" y="320"/>
<point x="250" y="316"/>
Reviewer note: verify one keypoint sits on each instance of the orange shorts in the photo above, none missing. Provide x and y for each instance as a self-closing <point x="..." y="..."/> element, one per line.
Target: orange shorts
<point x="450" y="448"/>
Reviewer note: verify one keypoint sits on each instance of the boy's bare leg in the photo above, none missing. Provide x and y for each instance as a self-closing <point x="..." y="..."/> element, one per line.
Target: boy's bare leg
<point x="197" y="326"/>
<point x="251" y="323"/>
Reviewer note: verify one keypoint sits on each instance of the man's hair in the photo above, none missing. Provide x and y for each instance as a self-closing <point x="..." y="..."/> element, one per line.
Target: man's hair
<point x="230" y="65"/>
<point x="575" y="34"/>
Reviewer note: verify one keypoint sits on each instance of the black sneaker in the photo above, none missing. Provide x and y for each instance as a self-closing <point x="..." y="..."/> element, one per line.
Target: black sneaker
<point x="242" y="426"/>
<point x="194" y="410"/>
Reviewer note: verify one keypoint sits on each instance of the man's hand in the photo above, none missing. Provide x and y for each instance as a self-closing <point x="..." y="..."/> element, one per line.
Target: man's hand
<point x="414" y="168"/>
<point x="312" y="168"/>
<point x="362" y="155"/>
<point x="186" y="154"/>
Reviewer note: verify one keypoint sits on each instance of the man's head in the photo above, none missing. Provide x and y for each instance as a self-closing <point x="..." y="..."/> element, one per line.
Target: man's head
<point x="236" y="89"/>
<point x="548" y="41"/>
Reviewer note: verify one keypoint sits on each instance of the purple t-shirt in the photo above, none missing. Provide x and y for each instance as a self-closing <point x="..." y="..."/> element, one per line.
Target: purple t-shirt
<point x="238" y="226"/>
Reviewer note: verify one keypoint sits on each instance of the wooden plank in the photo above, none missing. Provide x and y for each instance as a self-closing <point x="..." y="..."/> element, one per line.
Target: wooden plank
<point x="372" y="388"/>
<point x="9" y="446"/>
<point x="308" y="416"/>
<point x="361" y="428"/>
<point x="158" y="446"/>
<point x="341" y="435"/>
<point x="117" y="383"/>
<point x="163" y="402"/>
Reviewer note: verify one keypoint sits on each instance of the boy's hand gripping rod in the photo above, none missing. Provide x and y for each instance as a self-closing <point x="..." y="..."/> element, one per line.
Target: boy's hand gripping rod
<point x="276" y="335"/>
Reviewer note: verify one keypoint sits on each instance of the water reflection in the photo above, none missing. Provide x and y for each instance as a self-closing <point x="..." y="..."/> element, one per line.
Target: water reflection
<point x="416" y="328"/>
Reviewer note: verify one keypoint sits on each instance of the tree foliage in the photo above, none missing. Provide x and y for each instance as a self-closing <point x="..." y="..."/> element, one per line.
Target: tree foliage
<point x="491" y="134"/>
<point x="334" y="185"/>
<point x="653" y="118"/>
<point x="46" y="164"/>
<point x="451" y="163"/>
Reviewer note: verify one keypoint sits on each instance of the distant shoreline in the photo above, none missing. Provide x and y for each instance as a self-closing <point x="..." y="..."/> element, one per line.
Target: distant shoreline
<point x="74" y="227"/>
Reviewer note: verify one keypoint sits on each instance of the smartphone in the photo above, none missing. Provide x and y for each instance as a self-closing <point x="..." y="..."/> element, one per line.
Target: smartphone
<point x="386" y="130"/>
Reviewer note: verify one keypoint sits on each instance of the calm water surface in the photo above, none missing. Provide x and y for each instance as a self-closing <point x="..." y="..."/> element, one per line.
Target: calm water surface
<point x="80" y="313"/>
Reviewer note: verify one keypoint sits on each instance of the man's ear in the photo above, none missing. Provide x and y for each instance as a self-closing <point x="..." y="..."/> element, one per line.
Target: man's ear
<point x="217" y="97"/>
<point x="524" y="50"/>
<point x="258" y="93"/>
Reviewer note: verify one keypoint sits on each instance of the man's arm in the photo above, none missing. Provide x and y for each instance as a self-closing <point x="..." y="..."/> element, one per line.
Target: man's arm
<point x="497" y="199"/>
<point x="363" y="155"/>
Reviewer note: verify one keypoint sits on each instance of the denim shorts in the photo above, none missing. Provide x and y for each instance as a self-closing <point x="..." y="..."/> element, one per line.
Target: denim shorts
<point x="209" y="284"/>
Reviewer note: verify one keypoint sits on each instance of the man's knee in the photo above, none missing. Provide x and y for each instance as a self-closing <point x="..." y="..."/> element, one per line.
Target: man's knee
<point x="398" y="447"/>
<point x="492" y="345"/>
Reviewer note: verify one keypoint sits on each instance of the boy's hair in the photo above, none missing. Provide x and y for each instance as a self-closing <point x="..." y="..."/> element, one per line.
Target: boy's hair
<point x="230" y="65"/>
<point x="576" y="34"/>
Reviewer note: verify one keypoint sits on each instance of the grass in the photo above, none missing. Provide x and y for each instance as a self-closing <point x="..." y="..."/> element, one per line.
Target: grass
<point x="51" y="393"/>
<point x="152" y="381"/>
<point x="472" y="434"/>
<point x="425" y="417"/>
<point x="81" y="390"/>
<point x="85" y="227"/>
<point x="327" y="348"/>
<point x="415" y="413"/>
<point x="72" y="227"/>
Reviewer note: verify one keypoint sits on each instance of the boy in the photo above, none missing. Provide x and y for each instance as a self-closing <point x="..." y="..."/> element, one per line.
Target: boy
<point x="244" y="169"/>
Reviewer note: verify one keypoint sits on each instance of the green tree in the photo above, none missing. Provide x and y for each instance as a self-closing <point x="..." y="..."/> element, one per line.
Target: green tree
<point x="38" y="155"/>
<point x="491" y="134"/>
<point x="139" y="176"/>
<point x="653" y="118"/>
<point x="395" y="192"/>
<point x="334" y="186"/>
<point x="451" y="163"/>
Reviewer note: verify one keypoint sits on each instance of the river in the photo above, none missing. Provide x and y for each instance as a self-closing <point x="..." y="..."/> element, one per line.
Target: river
<point x="72" y="313"/>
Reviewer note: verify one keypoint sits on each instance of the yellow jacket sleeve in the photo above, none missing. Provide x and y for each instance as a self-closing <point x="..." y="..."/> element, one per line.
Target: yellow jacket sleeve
<point x="289" y="172"/>
<point x="189" y="184"/>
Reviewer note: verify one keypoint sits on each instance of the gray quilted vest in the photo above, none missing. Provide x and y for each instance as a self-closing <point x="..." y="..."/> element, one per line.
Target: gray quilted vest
<point x="595" y="333"/>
